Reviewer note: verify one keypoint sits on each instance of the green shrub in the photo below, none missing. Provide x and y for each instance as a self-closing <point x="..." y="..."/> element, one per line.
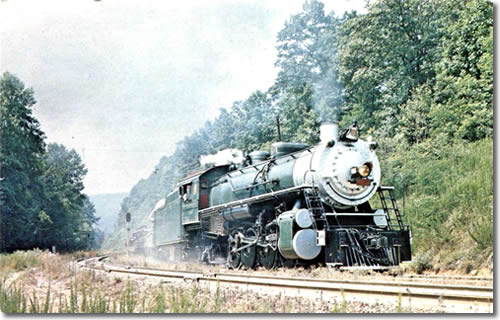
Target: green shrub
<point x="421" y="262"/>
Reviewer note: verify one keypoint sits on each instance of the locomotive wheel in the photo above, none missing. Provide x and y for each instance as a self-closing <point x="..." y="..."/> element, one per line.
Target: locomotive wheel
<point x="233" y="258"/>
<point x="249" y="254"/>
<point x="267" y="257"/>
<point x="288" y="263"/>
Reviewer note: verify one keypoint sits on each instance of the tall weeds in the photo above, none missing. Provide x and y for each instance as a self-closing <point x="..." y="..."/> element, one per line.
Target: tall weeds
<point x="12" y="298"/>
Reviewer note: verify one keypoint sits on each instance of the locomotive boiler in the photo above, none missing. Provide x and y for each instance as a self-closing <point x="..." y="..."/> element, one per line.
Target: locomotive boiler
<point x="297" y="205"/>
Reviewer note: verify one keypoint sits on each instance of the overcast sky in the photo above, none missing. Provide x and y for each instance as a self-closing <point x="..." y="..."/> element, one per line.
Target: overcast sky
<point x="122" y="81"/>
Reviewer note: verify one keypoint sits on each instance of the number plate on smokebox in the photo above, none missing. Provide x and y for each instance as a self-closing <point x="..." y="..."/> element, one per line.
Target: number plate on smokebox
<point x="363" y="182"/>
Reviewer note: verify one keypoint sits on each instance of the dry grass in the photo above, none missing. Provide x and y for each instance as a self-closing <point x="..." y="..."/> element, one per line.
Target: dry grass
<point x="47" y="282"/>
<point x="132" y="296"/>
<point x="19" y="260"/>
<point x="41" y="282"/>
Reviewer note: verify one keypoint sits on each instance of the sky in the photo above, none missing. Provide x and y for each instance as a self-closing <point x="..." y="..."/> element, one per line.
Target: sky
<point x="122" y="82"/>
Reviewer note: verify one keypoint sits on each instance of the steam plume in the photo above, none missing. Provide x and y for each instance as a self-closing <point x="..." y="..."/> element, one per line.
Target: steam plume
<point x="327" y="97"/>
<point x="226" y="156"/>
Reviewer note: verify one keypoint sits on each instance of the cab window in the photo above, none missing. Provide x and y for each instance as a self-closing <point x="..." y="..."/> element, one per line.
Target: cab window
<point x="194" y="190"/>
<point x="185" y="192"/>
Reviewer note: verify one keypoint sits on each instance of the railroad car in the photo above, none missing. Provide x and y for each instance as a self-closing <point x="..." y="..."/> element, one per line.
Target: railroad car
<point x="297" y="205"/>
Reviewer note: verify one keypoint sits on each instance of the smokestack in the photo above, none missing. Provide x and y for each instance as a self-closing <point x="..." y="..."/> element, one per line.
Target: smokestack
<point x="328" y="131"/>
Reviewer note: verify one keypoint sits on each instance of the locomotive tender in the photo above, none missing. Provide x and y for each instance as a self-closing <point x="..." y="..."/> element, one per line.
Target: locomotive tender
<point x="298" y="205"/>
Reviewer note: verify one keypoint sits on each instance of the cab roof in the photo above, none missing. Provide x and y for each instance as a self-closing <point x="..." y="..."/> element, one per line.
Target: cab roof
<point x="196" y="174"/>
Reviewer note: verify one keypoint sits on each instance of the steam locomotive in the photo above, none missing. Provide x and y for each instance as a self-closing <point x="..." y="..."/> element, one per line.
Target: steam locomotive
<point x="297" y="205"/>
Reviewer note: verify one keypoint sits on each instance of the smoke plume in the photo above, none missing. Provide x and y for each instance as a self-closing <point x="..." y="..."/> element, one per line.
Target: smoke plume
<point x="226" y="156"/>
<point x="327" y="96"/>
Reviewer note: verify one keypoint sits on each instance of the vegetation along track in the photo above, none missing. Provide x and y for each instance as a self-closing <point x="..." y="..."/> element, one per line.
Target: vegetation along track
<point x="445" y="297"/>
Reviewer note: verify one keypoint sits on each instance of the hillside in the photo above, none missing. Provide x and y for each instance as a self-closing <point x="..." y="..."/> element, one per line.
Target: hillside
<point x="107" y="207"/>
<point x="142" y="199"/>
<point x="446" y="193"/>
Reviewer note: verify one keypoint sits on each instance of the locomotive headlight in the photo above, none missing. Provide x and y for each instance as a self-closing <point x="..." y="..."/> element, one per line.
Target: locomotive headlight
<point x="354" y="133"/>
<point x="364" y="170"/>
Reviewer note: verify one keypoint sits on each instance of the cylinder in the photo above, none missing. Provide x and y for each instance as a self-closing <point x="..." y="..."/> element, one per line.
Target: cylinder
<point x="300" y="244"/>
<point x="285" y="241"/>
<point x="303" y="218"/>
<point x="304" y="244"/>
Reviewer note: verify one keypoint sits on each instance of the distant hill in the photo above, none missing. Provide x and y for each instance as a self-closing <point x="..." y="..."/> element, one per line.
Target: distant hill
<point x="107" y="207"/>
<point x="143" y="197"/>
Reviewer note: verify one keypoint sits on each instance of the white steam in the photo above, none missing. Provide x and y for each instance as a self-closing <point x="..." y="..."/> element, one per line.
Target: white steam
<point x="327" y="97"/>
<point x="159" y="205"/>
<point x="226" y="156"/>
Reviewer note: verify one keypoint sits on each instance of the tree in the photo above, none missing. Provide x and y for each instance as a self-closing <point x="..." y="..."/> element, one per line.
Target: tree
<point x="415" y="119"/>
<point x="307" y="55"/>
<point x="385" y="55"/>
<point x="41" y="199"/>
<point x="70" y="211"/>
<point x="91" y="238"/>
<point x="463" y="105"/>
<point x="223" y="130"/>
<point x="21" y="151"/>
<point x="299" y="120"/>
<point x="255" y="122"/>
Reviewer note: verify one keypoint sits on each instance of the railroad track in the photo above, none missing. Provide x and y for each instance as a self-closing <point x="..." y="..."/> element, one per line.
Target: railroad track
<point x="448" y="298"/>
<point x="453" y="287"/>
<point x="444" y="277"/>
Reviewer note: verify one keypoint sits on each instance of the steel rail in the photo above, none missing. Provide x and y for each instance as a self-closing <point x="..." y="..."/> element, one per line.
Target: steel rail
<point x="431" y="292"/>
<point x="403" y="277"/>
<point x="450" y="287"/>
<point x="447" y="277"/>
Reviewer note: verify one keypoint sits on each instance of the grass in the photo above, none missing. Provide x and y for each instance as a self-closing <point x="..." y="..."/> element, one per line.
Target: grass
<point x="20" y="260"/>
<point x="421" y="262"/>
<point x="84" y="297"/>
<point x="448" y="193"/>
<point x="12" y="299"/>
<point x="61" y="288"/>
<point x="174" y="299"/>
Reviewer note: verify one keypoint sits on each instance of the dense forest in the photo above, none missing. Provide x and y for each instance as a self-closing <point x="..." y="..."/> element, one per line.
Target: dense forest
<point x="416" y="75"/>
<point x="41" y="199"/>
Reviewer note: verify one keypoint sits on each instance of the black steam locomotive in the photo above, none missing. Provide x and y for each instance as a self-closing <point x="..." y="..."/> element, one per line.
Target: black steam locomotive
<point x="297" y="205"/>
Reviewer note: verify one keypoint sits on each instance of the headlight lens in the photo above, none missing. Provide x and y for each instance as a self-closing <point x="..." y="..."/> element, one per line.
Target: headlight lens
<point x="353" y="133"/>
<point x="364" y="170"/>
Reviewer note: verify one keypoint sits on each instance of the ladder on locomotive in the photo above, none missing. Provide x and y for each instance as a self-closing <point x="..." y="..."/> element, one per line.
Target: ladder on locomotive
<point x="382" y="191"/>
<point x="315" y="206"/>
